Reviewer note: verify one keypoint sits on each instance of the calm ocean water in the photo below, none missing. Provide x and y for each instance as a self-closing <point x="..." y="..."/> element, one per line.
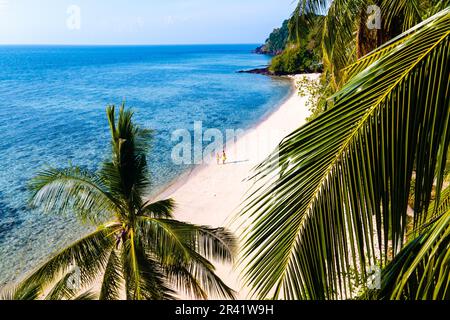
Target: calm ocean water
<point x="52" y="112"/>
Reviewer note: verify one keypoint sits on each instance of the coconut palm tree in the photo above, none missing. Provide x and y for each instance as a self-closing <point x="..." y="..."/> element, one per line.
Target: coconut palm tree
<point x="346" y="35"/>
<point x="138" y="251"/>
<point x="333" y="200"/>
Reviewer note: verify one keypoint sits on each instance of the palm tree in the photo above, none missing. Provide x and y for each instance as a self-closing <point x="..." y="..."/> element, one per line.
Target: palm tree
<point x="346" y="36"/>
<point x="335" y="196"/>
<point x="138" y="250"/>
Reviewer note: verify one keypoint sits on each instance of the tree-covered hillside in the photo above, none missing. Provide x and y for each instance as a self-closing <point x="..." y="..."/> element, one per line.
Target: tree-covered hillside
<point x="277" y="40"/>
<point x="302" y="53"/>
<point x="295" y="46"/>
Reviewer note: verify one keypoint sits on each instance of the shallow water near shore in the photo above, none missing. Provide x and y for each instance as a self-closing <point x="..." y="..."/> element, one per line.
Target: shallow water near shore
<point x="52" y="112"/>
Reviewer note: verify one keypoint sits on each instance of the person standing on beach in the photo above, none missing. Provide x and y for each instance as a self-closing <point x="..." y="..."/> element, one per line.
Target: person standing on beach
<point x="224" y="157"/>
<point x="218" y="158"/>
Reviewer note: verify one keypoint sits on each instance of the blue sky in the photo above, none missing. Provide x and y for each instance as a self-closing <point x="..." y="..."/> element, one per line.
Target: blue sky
<point x="140" y="21"/>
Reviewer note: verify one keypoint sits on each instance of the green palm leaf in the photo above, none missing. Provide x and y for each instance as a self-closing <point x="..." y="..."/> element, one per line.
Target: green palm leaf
<point x="140" y="254"/>
<point x="112" y="278"/>
<point x="89" y="255"/>
<point x="185" y="248"/>
<point x="127" y="173"/>
<point x="88" y="295"/>
<point x="72" y="190"/>
<point x="61" y="291"/>
<point x="362" y="63"/>
<point x="206" y="280"/>
<point x="20" y="293"/>
<point x="421" y="271"/>
<point x="159" y="209"/>
<point x="212" y="243"/>
<point x="336" y="193"/>
<point x="143" y="274"/>
<point x="346" y="35"/>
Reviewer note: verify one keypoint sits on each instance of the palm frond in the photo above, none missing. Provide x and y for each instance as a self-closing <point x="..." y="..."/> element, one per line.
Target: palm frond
<point x="339" y="26"/>
<point x="159" y="209"/>
<point x="184" y="249"/>
<point x="72" y="190"/>
<point x="337" y="190"/>
<point x="409" y="12"/>
<point x="436" y="6"/>
<point x="31" y="292"/>
<point x="144" y="279"/>
<point x="198" y="278"/>
<point x="86" y="296"/>
<point x="184" y="281"/>
<point x="437" y="208"/>
<point x="358" y="66"/>
<point x="212" y="243"/>
<point x="112" y="278"/>
<point x="62" y="290"/>
<point x="421" y="271"/>
<point x="339" y="42"/>
<point x="127" y="174"/>
<point x="87" y="257"/>
<point x="318" y="7"/>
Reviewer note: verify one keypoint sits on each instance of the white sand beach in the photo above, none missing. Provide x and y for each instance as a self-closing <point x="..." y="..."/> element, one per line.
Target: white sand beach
<point x="212" y="194"/>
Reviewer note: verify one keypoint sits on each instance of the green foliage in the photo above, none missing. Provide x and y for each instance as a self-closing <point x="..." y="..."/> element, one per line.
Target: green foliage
<point x="346" y="38"/>
<point x="301" y="52"/>
<point x="295" y="60"/>
<point x="334" y="196"/>
<point x="138" y="251"/>
<point x="277" y="40"/>
<point x="421" y="271"/>
<point x="316" y="92"/>
<point x="306" y="32"/>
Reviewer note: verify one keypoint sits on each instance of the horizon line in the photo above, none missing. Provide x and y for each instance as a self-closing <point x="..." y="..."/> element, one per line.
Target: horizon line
<point x="126" y="44"/>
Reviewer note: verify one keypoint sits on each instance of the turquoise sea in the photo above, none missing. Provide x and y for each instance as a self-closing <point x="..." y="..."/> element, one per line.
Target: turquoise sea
<point x="52" y="112"/>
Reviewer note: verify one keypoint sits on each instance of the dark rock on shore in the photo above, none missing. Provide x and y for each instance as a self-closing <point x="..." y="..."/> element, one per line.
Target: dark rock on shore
<point x="263" y="50"/>
<point x="260" y="50"/>
<point x="264" y="71"/>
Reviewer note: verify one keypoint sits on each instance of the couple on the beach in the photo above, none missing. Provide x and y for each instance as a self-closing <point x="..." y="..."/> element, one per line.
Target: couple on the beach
<point x="222" y="157"/>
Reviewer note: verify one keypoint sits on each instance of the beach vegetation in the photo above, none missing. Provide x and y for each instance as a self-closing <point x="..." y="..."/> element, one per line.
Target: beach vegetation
<point x="295" y="59"/>
<point x="295" y="46"/>
<point x="134" y="249"/>
<point x="337" y="191"/>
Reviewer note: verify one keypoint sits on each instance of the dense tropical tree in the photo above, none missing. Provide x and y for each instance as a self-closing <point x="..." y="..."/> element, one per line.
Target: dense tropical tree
<point x="333" y="200"/>
<point x="138" y="250"/>
<point x="346" y="35"/>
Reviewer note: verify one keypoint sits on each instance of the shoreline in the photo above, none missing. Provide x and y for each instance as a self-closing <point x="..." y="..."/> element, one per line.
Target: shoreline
<point x="173" y="185"/>
<point x="190" y="187"/>
<point x="212" y="194"/>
